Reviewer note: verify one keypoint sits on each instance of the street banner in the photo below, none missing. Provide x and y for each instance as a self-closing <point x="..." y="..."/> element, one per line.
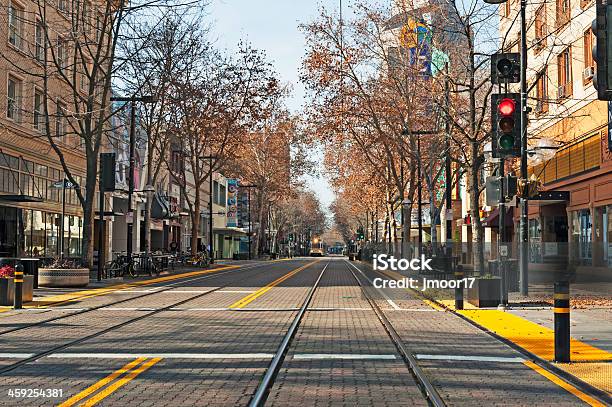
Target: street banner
<point x="232" y="203"/>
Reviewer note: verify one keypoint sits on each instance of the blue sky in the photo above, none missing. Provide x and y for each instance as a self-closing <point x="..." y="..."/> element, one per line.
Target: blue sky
<point x="272" y="26"/>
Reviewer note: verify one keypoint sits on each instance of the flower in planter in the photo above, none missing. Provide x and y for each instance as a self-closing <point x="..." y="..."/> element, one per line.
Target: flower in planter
<point x="63" y="264"/>
<point x="7" y="272"/>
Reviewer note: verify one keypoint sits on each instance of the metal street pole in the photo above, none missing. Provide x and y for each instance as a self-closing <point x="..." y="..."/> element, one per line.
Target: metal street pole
<point x="132" y="136"/>
<point x="63" y="218"/>
<point x="524" y="229"/>
<point x="130" y="226"/>
<point x="502" y="231"/>
<point x="250" y="228"/>
<point x="210" y="216"/>
<point x="448" y="180"/>
<point x="419" y="196"/>
<point x="101" y="226"/>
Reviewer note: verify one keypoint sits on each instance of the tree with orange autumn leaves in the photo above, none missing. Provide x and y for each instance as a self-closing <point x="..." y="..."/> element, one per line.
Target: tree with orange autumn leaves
<point x="369" y="101"/>
<point x="273" y="156"/>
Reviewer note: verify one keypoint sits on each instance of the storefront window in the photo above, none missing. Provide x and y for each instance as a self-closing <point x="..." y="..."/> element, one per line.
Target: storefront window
<point x="38" y="234"/>
<point x="52" y="235"/>
<point x="581" y="235"/>
<point x="607" y="236"/>
<point x="535" y="241"/>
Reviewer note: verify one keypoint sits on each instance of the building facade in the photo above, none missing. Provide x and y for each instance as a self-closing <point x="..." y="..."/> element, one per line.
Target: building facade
<point x="567" y="115"/>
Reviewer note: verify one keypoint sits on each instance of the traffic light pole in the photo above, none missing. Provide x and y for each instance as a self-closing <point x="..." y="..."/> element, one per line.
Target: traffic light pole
<point x="524" y="229"/>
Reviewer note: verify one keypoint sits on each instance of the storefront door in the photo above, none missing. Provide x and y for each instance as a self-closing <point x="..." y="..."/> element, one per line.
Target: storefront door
<point x="586" y="238"/>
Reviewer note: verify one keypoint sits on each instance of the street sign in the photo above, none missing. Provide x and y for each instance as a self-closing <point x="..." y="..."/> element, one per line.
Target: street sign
<point x="63" y="184"/>
<point x="503" y="250"/>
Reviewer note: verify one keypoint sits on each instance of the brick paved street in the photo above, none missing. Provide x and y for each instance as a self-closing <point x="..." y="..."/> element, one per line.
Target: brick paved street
<point x="209" y="339"/>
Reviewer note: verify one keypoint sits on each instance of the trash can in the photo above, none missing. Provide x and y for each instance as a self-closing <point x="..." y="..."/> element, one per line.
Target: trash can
<point x="30" y="267"/>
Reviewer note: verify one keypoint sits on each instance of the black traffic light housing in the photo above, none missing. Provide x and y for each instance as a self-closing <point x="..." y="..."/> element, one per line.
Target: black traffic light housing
<point x="600" y="26"/>
<point x="506" y="125"/>
<point x="510" y="186"/>
<point x="505" y="68"/>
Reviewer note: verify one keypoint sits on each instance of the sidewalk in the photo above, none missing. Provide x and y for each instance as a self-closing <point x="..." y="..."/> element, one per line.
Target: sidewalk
<point x="529" y="323"/>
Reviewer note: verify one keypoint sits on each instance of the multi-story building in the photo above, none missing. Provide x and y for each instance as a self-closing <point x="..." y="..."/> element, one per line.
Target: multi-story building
<point x="31" y="198"/>
<point x="566" y="114"/>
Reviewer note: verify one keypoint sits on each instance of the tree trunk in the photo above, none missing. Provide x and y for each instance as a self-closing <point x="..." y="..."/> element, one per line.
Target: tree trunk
<point x="88" y="212"/>
<point x="195" y="224"/>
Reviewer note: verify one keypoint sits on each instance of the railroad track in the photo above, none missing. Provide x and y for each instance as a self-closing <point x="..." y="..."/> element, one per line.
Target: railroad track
<point x="261" y="394"/>
<point x="584" y="387"/>
<point x="57" y="348"/>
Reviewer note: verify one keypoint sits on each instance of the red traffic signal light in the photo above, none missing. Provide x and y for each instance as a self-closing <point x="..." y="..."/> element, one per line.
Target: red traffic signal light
<point x="506" y="137"/>
<point x="506" y="107"/>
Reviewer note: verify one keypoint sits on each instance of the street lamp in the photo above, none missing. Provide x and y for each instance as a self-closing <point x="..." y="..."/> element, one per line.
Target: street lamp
<point x="248" y="187"/>
<point x="132" y="100"/>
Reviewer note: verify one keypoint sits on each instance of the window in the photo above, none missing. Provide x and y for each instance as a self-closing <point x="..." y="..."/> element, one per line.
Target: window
<point x="589" y="63"/>
<point x="540" y="28"/>
<point x="86" y="17"/>
<point x="39" y="50"/>
<point x="563" y="12"/>
<point x="99" y="22"/>
<point x="60" y="120"/>
<point x="62" y="5"/>
<point x="84" y="75"/>
<point x="542" y="93"/>
<point x="564" y="70"/>
<point x="13" y="100"/>
<point x="15" y="24"/>
<point x="60" y="54"/>
<point x="222" y="197"/>
<point x="38" y="109"/>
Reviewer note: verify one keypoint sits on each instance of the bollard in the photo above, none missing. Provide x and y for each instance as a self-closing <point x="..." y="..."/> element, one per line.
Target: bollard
<point x="18" y="294"/>
<point x="459" y="289"/>
<point x="562" y="322"/>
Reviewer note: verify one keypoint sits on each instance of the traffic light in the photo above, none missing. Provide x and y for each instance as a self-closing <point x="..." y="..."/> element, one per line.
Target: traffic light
<point x="360" y="234"/>
<point x="505" y="68"/>
<point x="602" y="79"/>
<point x="510" y="186"/>
<point x="506" y="125"/>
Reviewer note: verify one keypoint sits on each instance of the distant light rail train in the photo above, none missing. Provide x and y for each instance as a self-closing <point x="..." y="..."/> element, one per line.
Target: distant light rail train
<point x="317" y="248"/>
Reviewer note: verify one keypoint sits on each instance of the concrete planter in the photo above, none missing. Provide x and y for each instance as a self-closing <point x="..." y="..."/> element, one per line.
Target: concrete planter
<point x="486" y="292"/>
<point x="7" y="290"/>
<point x="63" y="277"/>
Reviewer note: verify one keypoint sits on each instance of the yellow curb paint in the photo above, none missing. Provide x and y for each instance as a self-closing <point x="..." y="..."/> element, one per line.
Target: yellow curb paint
<point x="120" y="383"/>
<point x="565" y="385"/>
<point x="528" y="335"/>
<point x="101" y="383"/>
<point x="536" y="339"/>
<point x="253" y="296"/>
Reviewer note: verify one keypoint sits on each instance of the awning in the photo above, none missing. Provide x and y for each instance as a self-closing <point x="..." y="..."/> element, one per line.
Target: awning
<point x="20" y="198"/>
<point x="230" y="231"/>
<point x="492" y="221"/>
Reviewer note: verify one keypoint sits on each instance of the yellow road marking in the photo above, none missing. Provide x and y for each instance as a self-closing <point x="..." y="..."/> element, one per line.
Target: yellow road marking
<point x="62" y="299"/>
<point x="120" y="383"/>
<point x="565" y="385"/>
<point x="536" y="339"/>
<point x="101" y="383"/>
<point x="253" y="296"/>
